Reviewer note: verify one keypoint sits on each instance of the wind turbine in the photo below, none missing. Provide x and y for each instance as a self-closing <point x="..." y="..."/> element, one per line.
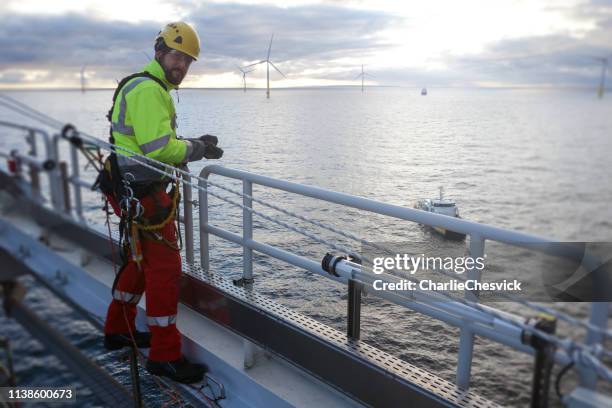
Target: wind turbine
<point x="363" y="75"/>
<point x="83" y="78"/>
<point x="604" y="68"/>
<point x="268" y="63"/>
<point x="244" y="76"/>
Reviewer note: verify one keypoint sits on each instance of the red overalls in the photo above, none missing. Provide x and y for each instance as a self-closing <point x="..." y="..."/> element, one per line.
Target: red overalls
<point x="159" y="275"/>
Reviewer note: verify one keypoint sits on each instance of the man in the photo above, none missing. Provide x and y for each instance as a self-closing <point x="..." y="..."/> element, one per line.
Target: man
<point x="143" y="120"/>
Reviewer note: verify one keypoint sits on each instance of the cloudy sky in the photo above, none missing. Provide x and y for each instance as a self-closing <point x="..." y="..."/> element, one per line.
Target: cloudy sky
<point x="430" y="43"/>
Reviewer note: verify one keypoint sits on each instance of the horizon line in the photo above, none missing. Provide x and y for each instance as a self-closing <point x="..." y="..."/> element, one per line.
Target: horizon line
<point x="547" y="87"/>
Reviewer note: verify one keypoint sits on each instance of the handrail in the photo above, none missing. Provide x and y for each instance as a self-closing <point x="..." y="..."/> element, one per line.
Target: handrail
<point x="472" y="321"/>
<point x="51" y="154"/>
<point x="457" y="314"/>
<point x="483" y="231"/>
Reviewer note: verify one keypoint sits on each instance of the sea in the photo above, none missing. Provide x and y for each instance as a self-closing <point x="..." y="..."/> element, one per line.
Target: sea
<point x="536" y="161"/>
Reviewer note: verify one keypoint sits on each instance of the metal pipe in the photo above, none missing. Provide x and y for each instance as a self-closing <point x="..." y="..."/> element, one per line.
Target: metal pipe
<point x="204" y="237"/>
<point x="81" y="183"/>
<point x="76" y="181"/>
<point x="57" y="195"/>
<point x="409" y="214"/>
<point x="247" y="234"/>
<point x="598" y="317"/>
<point x="466" y="336"/>
<point x="188" y="219"/>
<point x="65" y="186"/>
<point x="32" y="162"/>
<point x="34" y="173"/>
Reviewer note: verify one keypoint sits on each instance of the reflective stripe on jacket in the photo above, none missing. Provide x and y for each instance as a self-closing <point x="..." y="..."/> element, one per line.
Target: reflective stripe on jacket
<point x="144" y="121"/>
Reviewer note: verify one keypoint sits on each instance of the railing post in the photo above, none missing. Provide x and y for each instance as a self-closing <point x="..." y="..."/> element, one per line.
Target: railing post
<point x="353" y="326"/>
<point x="204" y="236"/>
<point x="74" y="180"/>
<point x="65" y="186"/>
<point x="34" y="174"/>
<point x="188" y="218"/>
<point x="247" y="234"/>
<point x="247" y="260"/>
<point x="55" y="176"/>
<point x="466" y="337"/>
<point x="598" y="317"/>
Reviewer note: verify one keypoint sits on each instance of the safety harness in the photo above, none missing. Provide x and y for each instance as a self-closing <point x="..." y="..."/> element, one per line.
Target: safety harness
<point x="133" y="225"/>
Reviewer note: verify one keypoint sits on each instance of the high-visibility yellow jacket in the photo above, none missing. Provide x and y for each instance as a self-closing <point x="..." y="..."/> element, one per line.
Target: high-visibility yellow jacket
<point x="144" y="121"/>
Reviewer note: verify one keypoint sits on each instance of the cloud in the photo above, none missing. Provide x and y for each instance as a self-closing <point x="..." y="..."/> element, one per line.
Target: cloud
<point x="231" y="34"/>
<point x="317" y="41"/>
<point x="560" y="59"/>
<point x="307" y="32"/>
<point x="69" y="40"/>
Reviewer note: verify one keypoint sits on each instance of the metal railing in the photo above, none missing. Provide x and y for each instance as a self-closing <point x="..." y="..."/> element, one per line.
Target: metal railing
<point x="470" y="320"/>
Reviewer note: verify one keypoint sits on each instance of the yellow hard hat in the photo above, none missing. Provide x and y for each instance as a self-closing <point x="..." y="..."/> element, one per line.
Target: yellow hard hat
<point x="181" y="37"/>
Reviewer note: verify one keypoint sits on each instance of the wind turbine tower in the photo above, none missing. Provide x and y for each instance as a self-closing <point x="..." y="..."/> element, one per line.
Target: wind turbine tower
<point x="362" y="76"/>
<point x="604" y="69"/>
<point x="244" y="76"/>
<point x="268" y="63"/>
<point x="83" y="78"/>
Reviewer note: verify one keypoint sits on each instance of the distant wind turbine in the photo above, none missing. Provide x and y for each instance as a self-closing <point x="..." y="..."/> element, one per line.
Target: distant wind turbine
<point x="363" y="75"/>
<point x="604" y="69"/>
<point x="268" y="63"/>
<point x="83" y="78"/>
<point x="244" y="76"/>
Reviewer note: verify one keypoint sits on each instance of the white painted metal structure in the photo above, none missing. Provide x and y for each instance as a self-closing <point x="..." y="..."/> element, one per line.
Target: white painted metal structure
<point x="267" y="383"/>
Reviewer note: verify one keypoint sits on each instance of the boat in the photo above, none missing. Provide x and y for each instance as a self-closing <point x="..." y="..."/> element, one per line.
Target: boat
<point x="442" y="206"/>
<point x="424" y="91"/>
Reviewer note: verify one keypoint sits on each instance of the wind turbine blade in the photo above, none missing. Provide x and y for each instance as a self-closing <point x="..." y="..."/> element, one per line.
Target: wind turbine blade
<point x="358" y="76"/>
<point x="368" y="75"/>
<point x="278" y="70"/>
<point x="252" y="65"/>
<point x="270" y="47"/>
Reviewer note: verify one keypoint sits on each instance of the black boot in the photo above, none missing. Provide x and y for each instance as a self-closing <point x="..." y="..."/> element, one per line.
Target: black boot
<point x="117" y="341"/>
<point x="179" y="370"/>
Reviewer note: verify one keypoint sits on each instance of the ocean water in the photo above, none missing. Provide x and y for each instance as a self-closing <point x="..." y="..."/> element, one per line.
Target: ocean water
<point x="536" y="161"/>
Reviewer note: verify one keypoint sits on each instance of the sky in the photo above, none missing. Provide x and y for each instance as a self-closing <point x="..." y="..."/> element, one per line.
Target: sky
<point x="436" y="43"/>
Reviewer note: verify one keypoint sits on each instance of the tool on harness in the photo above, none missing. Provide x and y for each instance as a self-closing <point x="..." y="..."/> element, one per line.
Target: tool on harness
<point x="131" y="209"/>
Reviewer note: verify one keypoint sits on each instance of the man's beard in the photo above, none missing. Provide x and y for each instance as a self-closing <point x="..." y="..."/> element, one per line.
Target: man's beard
<point x="169" y="76"/>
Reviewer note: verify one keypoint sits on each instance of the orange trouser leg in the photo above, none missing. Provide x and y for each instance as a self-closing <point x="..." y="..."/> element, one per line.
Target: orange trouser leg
<point x="126" y="295"/>
<point x="162" y="274"/>
<point x="159" y="277"/>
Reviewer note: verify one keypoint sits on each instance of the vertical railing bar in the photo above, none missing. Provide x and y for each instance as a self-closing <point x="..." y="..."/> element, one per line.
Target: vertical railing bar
<point x="247" y="260"/>
<point x="204" y="235"/>
<point x="74" y="180"/>
<point x="466" y="337"/>
<point x="188" y="218"/>
<point x="34" y="173"/>
<point x="247" y="232"/>
<point x="598" y="316"/>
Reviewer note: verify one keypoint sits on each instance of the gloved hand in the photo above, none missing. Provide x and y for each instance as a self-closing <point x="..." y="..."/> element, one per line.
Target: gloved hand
<point x="213" y="152"/>
<point x="210" y="139"/>
<point x="200" y="149"/>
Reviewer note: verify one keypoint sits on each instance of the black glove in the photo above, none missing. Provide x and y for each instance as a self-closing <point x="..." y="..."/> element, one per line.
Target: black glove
<point x="200" y="149"/>
<point x="197" y="150"/>
<point x="210" y="139"/>
<point x="213" y="152"/>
